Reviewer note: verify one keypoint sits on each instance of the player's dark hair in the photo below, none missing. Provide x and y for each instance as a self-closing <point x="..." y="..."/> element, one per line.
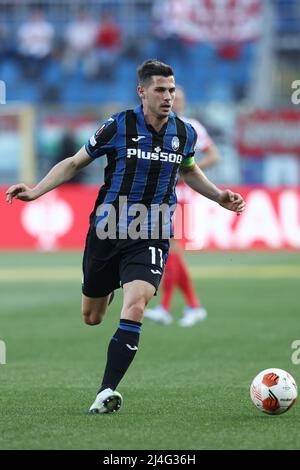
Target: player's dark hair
<point x="153" y="67"/>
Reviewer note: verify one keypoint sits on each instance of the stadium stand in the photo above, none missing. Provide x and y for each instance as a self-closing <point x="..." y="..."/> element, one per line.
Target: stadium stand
<point x="227" y="64"/>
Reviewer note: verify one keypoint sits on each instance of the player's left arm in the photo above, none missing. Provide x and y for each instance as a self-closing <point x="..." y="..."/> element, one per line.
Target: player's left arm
<point x="195" y="178"/>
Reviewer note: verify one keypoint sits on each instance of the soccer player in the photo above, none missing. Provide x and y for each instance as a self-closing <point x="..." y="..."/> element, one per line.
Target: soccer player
<point x="176" y="273"/>
<point x="145" y="148"/>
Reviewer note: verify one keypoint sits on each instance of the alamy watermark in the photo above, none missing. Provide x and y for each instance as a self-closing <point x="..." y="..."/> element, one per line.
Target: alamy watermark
<point x="124" y="220"/>
<point x="2" y="92"/>
<point x="295" y="358"/>
<point x="295" y="98"/>
<point x="2" y="352"/>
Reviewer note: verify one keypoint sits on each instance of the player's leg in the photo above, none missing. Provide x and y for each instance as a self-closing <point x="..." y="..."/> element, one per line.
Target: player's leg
<point x="93" y="309"/>
<point x="141" y="269"/>
<point x="177" y="275"/>
<point x="123" y="345"/>
<point x="100" y="278"/>
<point x="181" y="275"/>
<point x="161" y="313"/>
<point x="169" y="282"/>
<point x="171" y="277"/>
<point x="137" y="294"/>
<point x="185" y="283"/>
<point x="194" y="312"/>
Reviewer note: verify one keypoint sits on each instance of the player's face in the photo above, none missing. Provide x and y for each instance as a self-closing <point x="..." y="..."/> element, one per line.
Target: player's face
<point x="158" y="96"/>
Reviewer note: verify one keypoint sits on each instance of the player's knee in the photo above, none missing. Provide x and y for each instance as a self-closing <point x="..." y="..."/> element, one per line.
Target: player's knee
<point x="91" y="317"/>
<point x="135" y="311"/>
<point x="91" y="320"/>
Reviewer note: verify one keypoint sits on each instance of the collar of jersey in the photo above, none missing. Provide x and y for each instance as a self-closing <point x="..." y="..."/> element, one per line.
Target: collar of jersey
<point x="141" y="118"/>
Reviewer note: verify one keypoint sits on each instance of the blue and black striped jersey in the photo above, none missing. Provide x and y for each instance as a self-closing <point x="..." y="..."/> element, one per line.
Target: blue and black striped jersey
<point x="142" y="164"/>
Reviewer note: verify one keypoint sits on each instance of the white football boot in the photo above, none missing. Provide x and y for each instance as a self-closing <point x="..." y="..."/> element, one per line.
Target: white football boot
<point x="107" y="401"/>
<point x="192" y="316"/>
<point x="159" y="314"/>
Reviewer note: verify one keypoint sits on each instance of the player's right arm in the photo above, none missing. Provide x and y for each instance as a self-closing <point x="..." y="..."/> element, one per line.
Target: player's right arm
<point x="61" y="173"/>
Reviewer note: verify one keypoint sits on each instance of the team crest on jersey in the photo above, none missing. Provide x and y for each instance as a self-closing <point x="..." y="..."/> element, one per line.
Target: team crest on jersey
<point x="175" y="143"/>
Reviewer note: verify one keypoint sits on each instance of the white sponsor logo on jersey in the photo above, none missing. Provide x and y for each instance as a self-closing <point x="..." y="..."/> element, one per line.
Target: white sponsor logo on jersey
<point x="157" y="155"/>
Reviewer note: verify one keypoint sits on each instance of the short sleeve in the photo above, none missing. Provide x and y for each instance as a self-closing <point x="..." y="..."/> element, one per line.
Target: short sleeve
<point x="103" y="141"/>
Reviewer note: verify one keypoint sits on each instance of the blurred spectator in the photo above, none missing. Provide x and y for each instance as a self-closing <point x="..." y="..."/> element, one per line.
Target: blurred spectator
<point x="79" y="42"/>
<point x="108" y="47"/>
<point x="35" y="43"/>
<point x="104" y="39"/>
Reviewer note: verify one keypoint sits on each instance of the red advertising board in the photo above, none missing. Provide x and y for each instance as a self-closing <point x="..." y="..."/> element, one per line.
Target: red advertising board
<point x="59" y="220"/>
<point x="271" y="220"/>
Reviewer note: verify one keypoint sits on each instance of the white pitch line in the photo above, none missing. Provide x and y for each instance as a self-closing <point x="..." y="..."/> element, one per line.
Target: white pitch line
<point x="65" y="274"/>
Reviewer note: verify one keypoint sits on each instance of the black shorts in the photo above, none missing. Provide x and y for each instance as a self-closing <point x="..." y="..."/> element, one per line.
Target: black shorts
<point x="109" y="264"/>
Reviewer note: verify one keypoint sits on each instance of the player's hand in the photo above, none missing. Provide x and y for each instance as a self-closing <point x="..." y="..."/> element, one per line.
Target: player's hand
<point x="20" y="191"/>
<point x="232" y="201"/>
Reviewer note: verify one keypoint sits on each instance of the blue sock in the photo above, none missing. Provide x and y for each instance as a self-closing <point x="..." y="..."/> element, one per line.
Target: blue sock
<point x="121" y="351"/>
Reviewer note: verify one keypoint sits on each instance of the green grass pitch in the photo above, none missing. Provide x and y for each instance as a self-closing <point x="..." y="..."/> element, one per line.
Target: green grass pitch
<point x="187" y="388"/>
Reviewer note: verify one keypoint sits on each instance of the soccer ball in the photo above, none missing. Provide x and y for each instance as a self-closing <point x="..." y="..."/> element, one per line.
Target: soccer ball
<point x="273" y="391"/>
